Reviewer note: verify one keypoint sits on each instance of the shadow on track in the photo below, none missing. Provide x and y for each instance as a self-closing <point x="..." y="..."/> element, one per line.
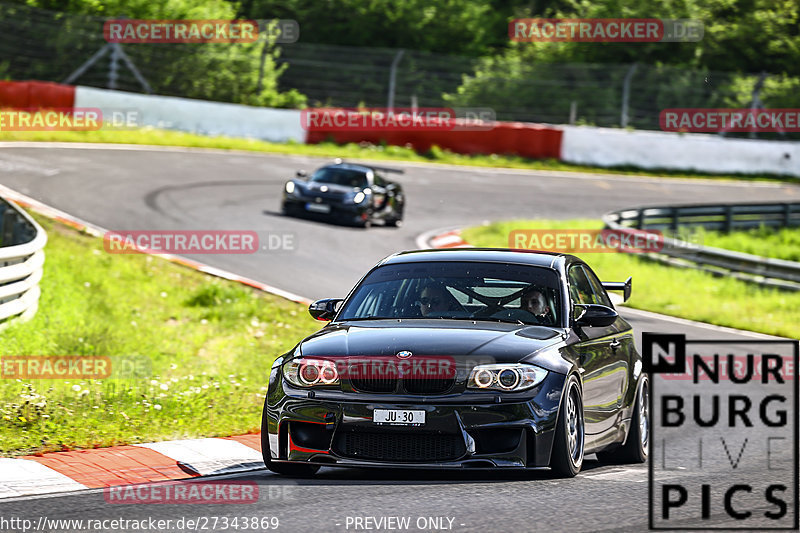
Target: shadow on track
<point x="330" y="476"/>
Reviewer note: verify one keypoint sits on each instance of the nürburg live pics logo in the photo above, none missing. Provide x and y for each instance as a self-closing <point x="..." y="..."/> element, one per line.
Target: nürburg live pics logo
<point x="724" y="433"/>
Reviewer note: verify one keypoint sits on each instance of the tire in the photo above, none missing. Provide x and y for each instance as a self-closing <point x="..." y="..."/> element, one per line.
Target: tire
<point x="285" y="469"/>
<point x="395" y="222"/>
<point x="637" y="444"/>
<point x="567" y="456"/>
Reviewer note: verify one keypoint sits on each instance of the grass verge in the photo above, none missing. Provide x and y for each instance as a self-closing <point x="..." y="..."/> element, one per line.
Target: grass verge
<point x="672" y="291"/>
<point x="783" y="243"/>
<point x="151" y="136"/>
<point x="206" y="346"/>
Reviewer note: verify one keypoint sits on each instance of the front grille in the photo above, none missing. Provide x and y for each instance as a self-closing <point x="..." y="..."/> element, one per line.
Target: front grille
<point x="400" y="447"/>
<point x="335" y="196"/>
<point x="427" y="385"/>
<point x="365" y="378"/>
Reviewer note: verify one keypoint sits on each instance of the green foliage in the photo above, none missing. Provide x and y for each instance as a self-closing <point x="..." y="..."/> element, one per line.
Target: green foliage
<point x="225" y="72"/>
<point x="778" y="243"/>
<point x="462" y="27"/>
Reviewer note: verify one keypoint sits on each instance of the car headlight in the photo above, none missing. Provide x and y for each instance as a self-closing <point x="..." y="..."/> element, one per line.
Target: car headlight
<point x="290" y="187"/>
<point x="304" y="372"/>
<point x="506" y="377"/>
<point x="359" y="197"/>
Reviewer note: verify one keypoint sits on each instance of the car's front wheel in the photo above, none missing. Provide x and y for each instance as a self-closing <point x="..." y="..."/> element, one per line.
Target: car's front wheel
<point x="637" y="444"/>
<point x="567" y="456"/>
<point x="286" y="469"/>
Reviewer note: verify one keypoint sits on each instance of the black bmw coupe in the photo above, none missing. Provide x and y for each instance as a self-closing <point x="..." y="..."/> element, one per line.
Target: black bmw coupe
<point x="347" y="193"/>
<point x="462" y="358"/>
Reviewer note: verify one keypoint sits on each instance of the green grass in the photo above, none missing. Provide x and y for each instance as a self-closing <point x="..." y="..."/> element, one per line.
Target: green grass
<point x="783" y="243"/>
<point x="672" y="291"/>
<point x="151" y="136"/>
<point x="206" y="344"/>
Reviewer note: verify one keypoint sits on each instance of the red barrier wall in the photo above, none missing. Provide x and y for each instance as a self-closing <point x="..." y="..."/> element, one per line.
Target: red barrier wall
<point x="36" y="94"/>
<point x="507" y="138"/>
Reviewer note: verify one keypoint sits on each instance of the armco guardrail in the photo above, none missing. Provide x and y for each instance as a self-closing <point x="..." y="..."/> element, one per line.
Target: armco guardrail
<point x="22" y="243"/>
<point x="721" y="217"/>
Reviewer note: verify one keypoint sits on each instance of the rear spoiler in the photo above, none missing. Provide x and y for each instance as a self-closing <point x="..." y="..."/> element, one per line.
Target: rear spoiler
<point x="388" y="169"/>
<point x="339" y="161"/>
<point x="625" y="287"/>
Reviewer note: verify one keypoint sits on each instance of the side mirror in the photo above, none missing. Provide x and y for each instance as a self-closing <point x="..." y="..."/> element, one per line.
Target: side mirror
<point x="325" y="309"/>
<point x="624" y="286"/>
<point x="594" y="315"/>
<point x="301" y="174"/>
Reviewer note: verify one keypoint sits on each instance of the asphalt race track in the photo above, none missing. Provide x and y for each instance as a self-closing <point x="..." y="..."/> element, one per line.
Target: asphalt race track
<point x="154" y="189"/>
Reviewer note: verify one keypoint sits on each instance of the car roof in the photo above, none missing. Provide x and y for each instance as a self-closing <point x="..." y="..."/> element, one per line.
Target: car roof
<point x="491" y="255"/>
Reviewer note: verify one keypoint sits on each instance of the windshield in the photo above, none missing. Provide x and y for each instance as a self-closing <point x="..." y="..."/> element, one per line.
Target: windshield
<point x="341" y="176"/>
<point x="458" y="290"/>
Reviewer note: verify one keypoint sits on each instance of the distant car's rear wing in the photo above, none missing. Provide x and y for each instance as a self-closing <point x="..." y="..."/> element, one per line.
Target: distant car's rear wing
<point x="388" y="169"/>
<point x="625" y="287"/>
<point x="339" y="161"/>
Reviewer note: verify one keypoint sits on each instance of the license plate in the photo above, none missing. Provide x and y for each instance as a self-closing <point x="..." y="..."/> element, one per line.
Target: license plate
<point x="318" y="208"/>
<point x="401" y="417"/>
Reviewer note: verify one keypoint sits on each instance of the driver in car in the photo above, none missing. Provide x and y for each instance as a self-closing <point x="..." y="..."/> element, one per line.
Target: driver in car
<point x="433" y="299"/>
<point x="533" y="301"/>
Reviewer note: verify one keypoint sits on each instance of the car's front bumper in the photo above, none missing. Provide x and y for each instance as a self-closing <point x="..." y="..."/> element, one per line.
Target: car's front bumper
<point x="486" y="434"/>
<point x="346" y="212"/>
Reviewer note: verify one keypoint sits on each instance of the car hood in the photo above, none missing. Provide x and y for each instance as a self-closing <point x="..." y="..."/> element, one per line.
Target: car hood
<point x="500" y="342"/>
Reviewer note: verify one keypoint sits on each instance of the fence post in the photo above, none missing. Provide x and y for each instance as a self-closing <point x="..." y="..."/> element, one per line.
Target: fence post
<point x="7" y="224"/>
<point x="640" y="219"/>
<point x="728" y="218"/>
<point x="392" y="79"/>
<point x="626" y="93"/>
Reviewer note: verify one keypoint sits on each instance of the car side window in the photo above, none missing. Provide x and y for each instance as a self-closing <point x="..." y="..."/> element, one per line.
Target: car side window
<point x="579" y="288"/>
<point x="379" y="181"/>
<point x="600" y="293"/>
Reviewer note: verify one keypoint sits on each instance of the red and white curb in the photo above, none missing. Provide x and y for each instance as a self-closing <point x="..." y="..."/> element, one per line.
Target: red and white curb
<point x="128" y="465"/>
<point x="449" y="239"/>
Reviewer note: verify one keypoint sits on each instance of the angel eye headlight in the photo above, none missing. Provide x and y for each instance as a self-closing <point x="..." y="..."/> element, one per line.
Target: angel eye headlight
<point x="303" y="372"/>
<point x="506" y="377"/>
